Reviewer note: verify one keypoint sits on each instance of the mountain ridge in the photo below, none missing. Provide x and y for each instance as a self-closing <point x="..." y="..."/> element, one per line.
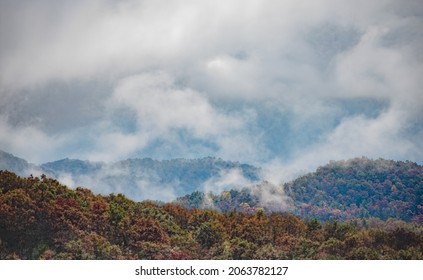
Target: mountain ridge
<point x="135" y="175"/>
<point x="357" y="188"/>
<point x="43" y="219"/>
<point x="16" y="164"/>
<point x="340" y="190"/>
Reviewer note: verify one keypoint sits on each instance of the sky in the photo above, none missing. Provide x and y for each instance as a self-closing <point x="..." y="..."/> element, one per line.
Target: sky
<point x="287" y="85"/>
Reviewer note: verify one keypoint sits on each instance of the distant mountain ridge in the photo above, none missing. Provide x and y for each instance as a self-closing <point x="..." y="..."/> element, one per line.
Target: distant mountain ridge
<point x="139" y="179"/>
<point x="71" y="166"/>
<point x="15" y="164"/>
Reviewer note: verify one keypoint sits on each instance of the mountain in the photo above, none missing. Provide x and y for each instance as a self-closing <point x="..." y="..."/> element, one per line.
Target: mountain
<point x="141" y="179"/>
<point x="152" y="179"/>
<point x="43" y="219"/>
<point x="16" y="165"/>
<point x="341" y="190"/>
<point x="71" y="166"/>
<point x="360" y="188"/>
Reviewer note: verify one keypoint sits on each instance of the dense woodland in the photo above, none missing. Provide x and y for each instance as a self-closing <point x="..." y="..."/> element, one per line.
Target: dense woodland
<point x="360" y="188"/>
<point x="42" y="219"/>
<point x="343" y="190"/>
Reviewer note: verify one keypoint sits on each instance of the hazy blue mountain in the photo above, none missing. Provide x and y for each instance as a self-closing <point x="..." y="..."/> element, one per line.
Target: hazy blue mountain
<point x="71" y="166"/>
<point x="151" y="179"/>
<point x="17" y="165"/>
<point x="141" y="179"/>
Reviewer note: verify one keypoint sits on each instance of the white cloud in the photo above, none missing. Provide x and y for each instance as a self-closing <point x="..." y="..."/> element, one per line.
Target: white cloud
<point x="160" y="106"/>
<point x="226" y="180"/>
<point x="111" y="178"/>
<point x="193" y="78"/>
<point x="28" y="141"/>
<point x="358" y="136"/>
<point x="163" y="109"/>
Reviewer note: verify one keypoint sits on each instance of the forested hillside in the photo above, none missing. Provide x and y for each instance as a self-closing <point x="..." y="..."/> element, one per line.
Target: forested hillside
<point x="342" y="190"/>
<point x="42" y="219"/>
<point x="360" y="188"/>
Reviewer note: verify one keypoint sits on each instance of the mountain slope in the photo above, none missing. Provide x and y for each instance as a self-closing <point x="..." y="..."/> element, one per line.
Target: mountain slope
<point x="141" y="179"/>
<point x="71" y="166"/>
<point x="151" y="179"/>
<point x="342" y="190"/>
<point x="360" y="188"/>
<point x="42" y="219"/>
<point x="16" y="165"/>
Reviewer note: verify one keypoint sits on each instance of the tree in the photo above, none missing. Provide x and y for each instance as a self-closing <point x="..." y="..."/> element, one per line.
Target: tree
<point x="210" y="233"/>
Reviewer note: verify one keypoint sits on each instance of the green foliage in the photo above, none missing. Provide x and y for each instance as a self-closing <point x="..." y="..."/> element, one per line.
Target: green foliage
<point x="242" y="249"/>
<point x="209" y="234"/>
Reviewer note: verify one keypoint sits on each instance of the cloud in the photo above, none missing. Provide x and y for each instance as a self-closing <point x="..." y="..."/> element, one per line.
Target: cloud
<point x="272" y="197"/>
<point x="226" y="180"/>
<point x="284" y="84"/>
<point x="162" y="110"/>
<point x="27" y="141"/>
<point x="371" y="137"/>
<point x="160" y="106"/>
<point x="269" y="195"/>
<point x="381" y="137"/>
<point x="112" y="178"/>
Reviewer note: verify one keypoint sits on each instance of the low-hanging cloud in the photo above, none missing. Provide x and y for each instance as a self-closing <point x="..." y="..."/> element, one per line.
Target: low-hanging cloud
<point x="265" y="194"/>
<point x="110" y="178"/>
<point x="231" y="179"/>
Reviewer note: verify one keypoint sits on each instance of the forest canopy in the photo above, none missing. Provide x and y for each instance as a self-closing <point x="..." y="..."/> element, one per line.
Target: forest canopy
<point x="42" y="219"/>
